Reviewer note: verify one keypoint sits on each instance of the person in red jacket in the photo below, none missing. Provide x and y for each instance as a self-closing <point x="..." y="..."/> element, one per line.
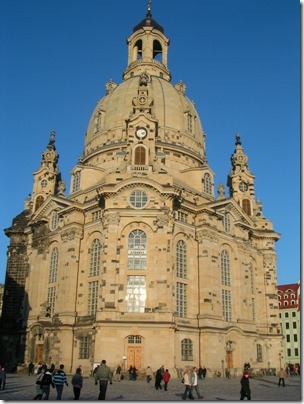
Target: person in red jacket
<point x="166" y="378"/>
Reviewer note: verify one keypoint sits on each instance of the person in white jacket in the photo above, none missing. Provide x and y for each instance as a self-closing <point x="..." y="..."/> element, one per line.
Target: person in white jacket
<point x="195" y="382"/>
<point x="187" y="377"/>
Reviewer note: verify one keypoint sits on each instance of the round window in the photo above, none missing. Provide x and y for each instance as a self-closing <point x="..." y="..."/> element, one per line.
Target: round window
<point x="138" y="199"/>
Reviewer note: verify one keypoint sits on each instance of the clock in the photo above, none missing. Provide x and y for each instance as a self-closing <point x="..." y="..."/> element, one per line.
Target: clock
<point x="141" y="133"/>
<point x="243" y="186"/>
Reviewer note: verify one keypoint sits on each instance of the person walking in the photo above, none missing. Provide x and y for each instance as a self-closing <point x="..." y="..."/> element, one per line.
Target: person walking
<point x="195" y="383"/>
<point x="245" y="389"/>
<point x="118" y="373"/>
<point x="158" y="379"/>
<point x="77" y="383"/>
<point x="31" y="367"/>
<point x="103" y="375"/>
<point x="46" y="383"/>
<point x="59" y="380"/>
<point x="148" y="374"/>
<point x="39" y="390"/>
<point x="188" y="384"/>
<point x="282" y="375"/>
<point x="2" y="377"/>
<point x="166" y="378"/>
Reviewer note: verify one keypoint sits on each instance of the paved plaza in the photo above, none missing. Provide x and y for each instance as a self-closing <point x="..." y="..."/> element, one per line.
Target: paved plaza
<point x="22" y="387"/>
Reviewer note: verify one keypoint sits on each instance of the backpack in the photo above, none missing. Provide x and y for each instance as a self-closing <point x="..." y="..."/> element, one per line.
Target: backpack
<point x="39" y="378"/>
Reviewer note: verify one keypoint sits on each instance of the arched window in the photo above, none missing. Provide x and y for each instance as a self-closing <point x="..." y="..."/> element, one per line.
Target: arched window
<point x="225" y="268"/>
<point x="246" y="205"/>
<point x="181" y="259"/>
<point x="187" y="349"/>
<point x="140" y="156"/>
<point x="53" y="265"/>
<point x="54" y="221"/>
<point x="39" y="202"/>
<point x="95" y="258"/>
<point x="190" y="123"/>
<point x="157" y="50"/>
<point x="137" y="50"/>
<point x="76" y="181"/>
<point x="137" y="250"/>
<point x="207" y="183"/>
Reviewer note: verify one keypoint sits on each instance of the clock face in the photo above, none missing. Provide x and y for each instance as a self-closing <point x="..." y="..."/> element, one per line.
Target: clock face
<point x="141" y="133"/>
<point x="43" y="183"/>
<point x="243" y="186"/>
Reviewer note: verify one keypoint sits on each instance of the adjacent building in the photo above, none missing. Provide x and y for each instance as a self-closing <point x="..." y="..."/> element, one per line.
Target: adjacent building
<point x="290" y="317"/>
<point x="142" y="261"/>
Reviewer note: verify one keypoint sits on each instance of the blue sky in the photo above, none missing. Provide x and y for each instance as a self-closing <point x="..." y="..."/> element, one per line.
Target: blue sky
<point x="239" y="59"/>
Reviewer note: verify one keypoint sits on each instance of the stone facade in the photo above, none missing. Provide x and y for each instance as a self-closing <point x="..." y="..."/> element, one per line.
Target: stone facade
<point x="142" y="264"/>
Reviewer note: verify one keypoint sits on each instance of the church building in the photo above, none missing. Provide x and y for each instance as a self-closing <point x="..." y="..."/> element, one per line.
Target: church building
<point x="142" y="261"/>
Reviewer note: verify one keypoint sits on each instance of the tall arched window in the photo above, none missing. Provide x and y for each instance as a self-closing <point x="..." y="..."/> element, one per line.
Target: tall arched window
<point x="39" y="201"/>
<point x="137" y="250"/>
<point x="137" y="50"/>
<point x="140" y="156"/>
<point x="207" y="183"/>
<point x="76" y="181"/>
<point x="187" y="349"/>
<point x="95" y="258"/>
<point x="53" y="265"/>
<point x="225" y="268"/>
<point x="246" y="205"/>
<point x="181" y="259"/>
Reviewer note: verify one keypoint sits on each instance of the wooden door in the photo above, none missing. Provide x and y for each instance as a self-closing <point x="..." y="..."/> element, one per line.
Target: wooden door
<point x="229" y="359"/>
<point x="39" y="353"/>
<point x="134" y="357"/>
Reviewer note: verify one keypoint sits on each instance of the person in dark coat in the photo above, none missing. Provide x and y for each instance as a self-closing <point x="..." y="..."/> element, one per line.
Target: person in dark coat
<point x="158" y="379"/>
<point x="245" y="390"/>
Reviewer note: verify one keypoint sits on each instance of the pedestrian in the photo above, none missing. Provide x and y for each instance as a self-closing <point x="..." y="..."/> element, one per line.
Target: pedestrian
<point x="134" y="373"/>
<point x="31" y="367"/>
<point x="2" y="377"/>
<point x="204" y="371"/>
<point x="118" y="373"/>
<point x="200" y="373"/>
<point x="245" y="390"/>
<point x="246" y="366"/>
<point x="59" y="380"/>
<point x="77" y="383"/>
<point x="39" y="391"/>
<point x="282" y="375"/>
<point x="130" y="371"/>
<point x="166" y="378"/>
<point x="46" y="383"/>
<point x="158" y="379"/>
<point x="188" y="384"/>
<point x="95" y="370"/>
<point x="195" y="383"/>
<point x="103" y="375"/>
<point x="148" y="374"/>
